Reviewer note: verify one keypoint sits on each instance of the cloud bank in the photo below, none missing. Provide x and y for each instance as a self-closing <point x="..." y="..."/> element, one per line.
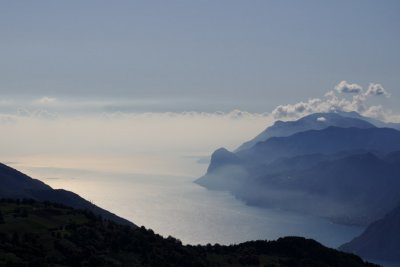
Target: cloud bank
<point x="376" y="89"/>
<point x="339" y="100"/>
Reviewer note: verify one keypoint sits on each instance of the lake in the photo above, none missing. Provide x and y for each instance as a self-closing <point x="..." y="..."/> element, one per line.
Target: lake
<point x="174" y="205"/>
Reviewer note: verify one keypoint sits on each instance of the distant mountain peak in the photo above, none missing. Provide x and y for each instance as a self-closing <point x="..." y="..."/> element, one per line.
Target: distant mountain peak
<point x="315" y="121"/>
<point x="222" y="157"/>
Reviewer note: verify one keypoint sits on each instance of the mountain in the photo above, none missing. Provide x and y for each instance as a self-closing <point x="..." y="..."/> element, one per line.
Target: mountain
<point x="222" y="157"/>
<point x="46" y="234"/>
<point x="354" y="189"/>
<point x="376" y="122"/>
<point x="316" y="121"/>
<point x="348" y="174"/>
<point x="381" y="240"/>
<point x="347" y="188"/>
<point x="326" y="141"/>
<point x="14" y="184"/>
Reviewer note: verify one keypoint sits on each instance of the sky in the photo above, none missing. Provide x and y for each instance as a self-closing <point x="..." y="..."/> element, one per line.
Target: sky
<point x="155" y="86"/>
<point x="140" y="56"/>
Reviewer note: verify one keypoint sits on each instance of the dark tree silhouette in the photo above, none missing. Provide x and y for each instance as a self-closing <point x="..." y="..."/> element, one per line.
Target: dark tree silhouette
<point x="1" y="218"/>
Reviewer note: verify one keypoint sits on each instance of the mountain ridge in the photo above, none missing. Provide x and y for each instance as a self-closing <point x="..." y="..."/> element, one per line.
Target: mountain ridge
<point x="307" y="170"/>
<point x="316" y="121"/>
<point x="316" y="141"/>
<point x="46" y="234"/>
<point x="15" y="184"/>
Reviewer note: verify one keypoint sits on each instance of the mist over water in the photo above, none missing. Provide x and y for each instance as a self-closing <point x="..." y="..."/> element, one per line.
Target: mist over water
<point x="174" y="205"/>
<point x="142" y="167"/>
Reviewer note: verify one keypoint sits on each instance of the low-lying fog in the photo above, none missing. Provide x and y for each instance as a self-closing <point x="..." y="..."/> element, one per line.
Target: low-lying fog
<point x="142" y="167"/>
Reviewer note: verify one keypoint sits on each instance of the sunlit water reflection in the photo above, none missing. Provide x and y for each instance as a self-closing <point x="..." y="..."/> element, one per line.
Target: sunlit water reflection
<point x="172" y="205"/>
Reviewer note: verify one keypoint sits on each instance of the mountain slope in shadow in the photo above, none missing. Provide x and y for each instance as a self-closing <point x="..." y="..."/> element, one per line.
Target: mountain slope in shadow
<point x="316" y="121"/>
<point x="46" y="234"/>
<point x="348" y="174"/>
<point x="326" y="141"/>
<point x="16" y="185"/>
<point x="381" y="240"/>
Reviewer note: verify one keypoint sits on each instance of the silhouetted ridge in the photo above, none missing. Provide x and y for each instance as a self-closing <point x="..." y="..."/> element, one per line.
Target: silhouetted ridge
<point x="14" y="184"/>
<point x="47" y="234"/>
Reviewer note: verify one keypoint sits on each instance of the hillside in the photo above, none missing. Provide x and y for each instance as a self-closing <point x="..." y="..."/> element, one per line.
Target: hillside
<point x="45" y="234"/>
<point x="381" y="240"/>
<point x="15" y="184"/>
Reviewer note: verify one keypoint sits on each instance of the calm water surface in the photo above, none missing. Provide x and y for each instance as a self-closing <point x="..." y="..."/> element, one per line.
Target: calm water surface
<point x="176" y="206"/>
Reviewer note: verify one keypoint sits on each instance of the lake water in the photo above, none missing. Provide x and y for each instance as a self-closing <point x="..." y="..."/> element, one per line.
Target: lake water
<point x="174" y="205"/>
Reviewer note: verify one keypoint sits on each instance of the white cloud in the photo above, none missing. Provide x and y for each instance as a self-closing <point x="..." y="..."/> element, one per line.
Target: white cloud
<point x="45" y="101"/>
<point x="233" y="115"/>
<point x="375" y="112"/>
<point x="298" y="109"/>
<point x="334" y="102"/>
<point x="345" y="87"/>
<point x="376" y="89"/>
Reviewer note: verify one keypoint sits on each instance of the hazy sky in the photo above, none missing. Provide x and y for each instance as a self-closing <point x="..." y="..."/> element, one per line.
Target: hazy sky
<point x="111" y="85"/>
<point x="194" y="55"/>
